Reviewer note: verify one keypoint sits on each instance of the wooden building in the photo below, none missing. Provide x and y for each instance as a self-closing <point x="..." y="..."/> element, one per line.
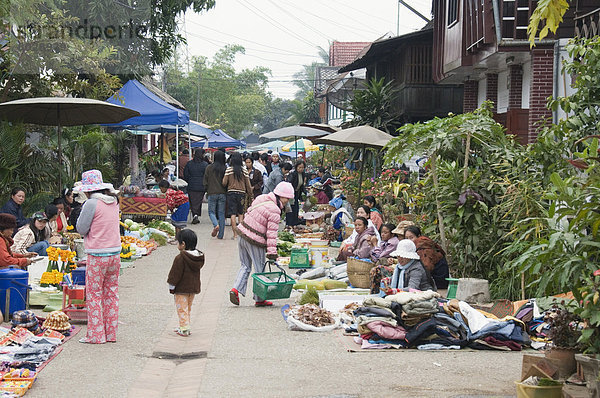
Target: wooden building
<point x="407" y="61"/>
<point x="483" y="45"/>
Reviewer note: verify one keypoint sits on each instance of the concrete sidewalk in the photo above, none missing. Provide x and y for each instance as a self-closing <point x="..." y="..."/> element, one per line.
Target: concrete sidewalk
<point x="248" y="351"/>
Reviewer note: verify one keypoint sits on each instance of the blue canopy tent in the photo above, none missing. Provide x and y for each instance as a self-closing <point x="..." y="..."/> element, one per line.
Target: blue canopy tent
<point x="153" y="110"/>
<point x="219" y="139"/>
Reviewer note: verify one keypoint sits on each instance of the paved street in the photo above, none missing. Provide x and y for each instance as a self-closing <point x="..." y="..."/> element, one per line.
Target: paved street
<point x="247" y="351"/>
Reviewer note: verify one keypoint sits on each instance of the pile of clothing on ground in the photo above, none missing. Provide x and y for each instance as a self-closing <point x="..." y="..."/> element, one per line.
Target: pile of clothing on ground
<point x="534" y="313"/>
<point x="426" y="321"/>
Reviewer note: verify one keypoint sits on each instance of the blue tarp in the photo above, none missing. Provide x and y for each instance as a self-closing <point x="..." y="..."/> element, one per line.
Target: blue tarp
<point x="195" y="128"/>
<point x="219" y="139"/>
<point x="154" y="111"/>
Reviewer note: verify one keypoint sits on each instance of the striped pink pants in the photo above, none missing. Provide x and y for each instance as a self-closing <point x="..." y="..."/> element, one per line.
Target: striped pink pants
<point x="102" y="298"/>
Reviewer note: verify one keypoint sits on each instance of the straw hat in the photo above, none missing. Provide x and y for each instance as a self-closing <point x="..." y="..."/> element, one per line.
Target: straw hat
<point x="406" y="249"/>
<point x="57" y="320"/>
<point x="401" y="228"/>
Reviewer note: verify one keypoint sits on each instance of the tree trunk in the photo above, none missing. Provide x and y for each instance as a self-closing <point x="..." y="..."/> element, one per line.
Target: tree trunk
<point x="437" y="203"/>
<point x="466" y="163"/>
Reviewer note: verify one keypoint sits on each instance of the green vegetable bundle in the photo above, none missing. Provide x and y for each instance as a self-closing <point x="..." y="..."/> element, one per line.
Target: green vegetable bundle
<point x="286" y="236"/>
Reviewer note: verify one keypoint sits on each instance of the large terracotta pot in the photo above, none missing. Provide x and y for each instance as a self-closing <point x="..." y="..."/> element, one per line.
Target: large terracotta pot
<point x="563" y="359"/>
<point x="591" y="372"/>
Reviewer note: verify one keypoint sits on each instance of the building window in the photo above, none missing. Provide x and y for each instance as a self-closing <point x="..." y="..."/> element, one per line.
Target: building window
<point x="452" y="12"/>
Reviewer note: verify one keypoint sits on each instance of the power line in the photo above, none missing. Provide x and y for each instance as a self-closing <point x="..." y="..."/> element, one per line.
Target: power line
<point x="253" y="49"/>
<point x="284" y="51"/>
<point x="255" y="10"/>
<point x="344" y="5"/>
<point x="214" y="42"/>
<point x="301" y="22"/>
<point x="331" y="21"/>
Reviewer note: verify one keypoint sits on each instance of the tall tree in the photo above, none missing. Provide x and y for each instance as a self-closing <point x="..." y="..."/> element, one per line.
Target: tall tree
<point x="305" y="78"/>
<point x="218" y="95"/>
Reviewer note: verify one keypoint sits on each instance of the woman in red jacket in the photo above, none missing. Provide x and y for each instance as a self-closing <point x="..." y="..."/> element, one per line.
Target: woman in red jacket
<point x="8" y="223"/>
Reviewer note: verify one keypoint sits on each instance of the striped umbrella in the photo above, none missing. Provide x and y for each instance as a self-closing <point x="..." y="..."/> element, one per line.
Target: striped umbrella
<point x="301" y="145"/>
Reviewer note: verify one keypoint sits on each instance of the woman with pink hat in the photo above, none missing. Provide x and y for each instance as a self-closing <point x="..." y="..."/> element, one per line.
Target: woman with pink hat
<point x="258" y="236"/>
<point x="99" y="225"/>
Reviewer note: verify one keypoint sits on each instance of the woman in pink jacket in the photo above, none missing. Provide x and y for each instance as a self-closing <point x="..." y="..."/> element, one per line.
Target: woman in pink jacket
<point x="258" y="234"/>
<point x="99" y="224"/>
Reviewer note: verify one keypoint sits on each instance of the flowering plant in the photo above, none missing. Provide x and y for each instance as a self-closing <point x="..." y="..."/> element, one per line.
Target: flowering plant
<point x="126" y="252"/>
<point x="53" y="278"/>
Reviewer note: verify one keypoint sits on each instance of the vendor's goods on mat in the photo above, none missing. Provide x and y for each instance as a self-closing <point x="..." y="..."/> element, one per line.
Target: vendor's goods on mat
<point x="310" y="317"/>
<point x="323" y="284"/>
<point x="58" y="321"/>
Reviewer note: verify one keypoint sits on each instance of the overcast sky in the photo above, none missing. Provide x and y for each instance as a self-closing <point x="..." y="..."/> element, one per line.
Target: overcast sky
<point x="283" y="35"/>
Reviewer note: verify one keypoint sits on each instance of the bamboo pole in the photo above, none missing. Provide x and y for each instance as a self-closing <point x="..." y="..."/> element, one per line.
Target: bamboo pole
<point x="466" y="163"/>
<point x="437" y="203"/>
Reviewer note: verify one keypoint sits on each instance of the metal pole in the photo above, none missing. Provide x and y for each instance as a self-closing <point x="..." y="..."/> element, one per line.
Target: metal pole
<point x="190" y="140"/>
<point x="177" y="151"/>
<point x="398" y="21"/>
<point x="360" y="177"/>
<point x="60" y="163"/>
<point x="417" y="13"/>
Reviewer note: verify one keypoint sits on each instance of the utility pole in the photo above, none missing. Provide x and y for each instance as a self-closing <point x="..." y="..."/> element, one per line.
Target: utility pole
<point x="417" y="13"/>
<point x="198" y="99"/>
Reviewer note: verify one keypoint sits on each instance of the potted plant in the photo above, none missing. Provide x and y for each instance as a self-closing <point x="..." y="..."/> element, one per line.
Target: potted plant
<point x="589" y="311"/>
<point x="565" y="334"/>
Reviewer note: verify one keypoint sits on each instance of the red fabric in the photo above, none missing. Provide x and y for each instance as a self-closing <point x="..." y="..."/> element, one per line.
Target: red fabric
<point x="175" y="198"/>
<point x="7" y="257"/>
<point x="377" y="219"/>
<point x="59" y="224"/>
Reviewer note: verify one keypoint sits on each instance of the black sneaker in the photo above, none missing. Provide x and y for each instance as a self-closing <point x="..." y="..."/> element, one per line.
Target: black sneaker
<point x="195" y="220"/>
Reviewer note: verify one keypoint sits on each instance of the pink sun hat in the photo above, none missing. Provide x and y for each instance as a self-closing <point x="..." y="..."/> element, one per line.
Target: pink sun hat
<point x="91" y="180"/>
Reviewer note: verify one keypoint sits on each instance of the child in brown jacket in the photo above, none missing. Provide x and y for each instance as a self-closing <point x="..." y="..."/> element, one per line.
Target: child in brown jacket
<point x="184" y="278"/>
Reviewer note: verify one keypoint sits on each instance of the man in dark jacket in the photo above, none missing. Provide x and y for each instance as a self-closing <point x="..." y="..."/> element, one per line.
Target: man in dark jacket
<point x="193" y="174"/>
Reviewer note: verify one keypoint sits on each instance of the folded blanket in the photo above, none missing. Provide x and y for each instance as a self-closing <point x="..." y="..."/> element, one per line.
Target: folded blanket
<point x="421" y="307"/>
<point x="407" y="297"/>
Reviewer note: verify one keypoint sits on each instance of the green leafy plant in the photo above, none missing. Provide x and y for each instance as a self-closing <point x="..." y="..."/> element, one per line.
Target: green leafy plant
<point x="373" y="105"/>
<point x="589" y="294"/>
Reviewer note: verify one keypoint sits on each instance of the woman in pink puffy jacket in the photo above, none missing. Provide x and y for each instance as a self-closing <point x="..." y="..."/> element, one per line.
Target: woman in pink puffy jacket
<point x="258" y="236"/>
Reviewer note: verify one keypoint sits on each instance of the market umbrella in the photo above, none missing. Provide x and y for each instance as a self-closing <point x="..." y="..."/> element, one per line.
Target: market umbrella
<point x="57" y="111"/>
<point x="357" y="137"/>
<point x="325" y="127"/>
<point x="301" y="145"/>
<point x="321" y="126"/>
<point x="295" y="131"/>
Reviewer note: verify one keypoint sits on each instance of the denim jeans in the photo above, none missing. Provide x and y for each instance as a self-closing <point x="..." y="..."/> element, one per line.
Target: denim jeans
<point x="216" y="212"/>
<point x="39" y="248"/>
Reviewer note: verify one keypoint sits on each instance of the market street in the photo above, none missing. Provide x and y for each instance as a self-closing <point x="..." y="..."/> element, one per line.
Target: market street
<point x="247" y="351"/>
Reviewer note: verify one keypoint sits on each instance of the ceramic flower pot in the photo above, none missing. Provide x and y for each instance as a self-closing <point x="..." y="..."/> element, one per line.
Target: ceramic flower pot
<point x="591" y="371"/>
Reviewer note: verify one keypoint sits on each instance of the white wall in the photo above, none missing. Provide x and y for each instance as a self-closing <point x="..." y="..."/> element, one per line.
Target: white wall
<point x="481" y="91"/>
<point x="526" y="85"/>
<point x="562" y="85"/>
<point x="502" y="100"/>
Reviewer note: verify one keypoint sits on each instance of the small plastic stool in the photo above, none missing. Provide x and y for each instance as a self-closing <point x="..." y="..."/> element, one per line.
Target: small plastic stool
<point x="74" y="302"/>
<point x="452" y="288"/>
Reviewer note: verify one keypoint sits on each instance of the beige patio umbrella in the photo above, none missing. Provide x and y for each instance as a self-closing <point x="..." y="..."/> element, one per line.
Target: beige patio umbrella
<point x="357" y="137"/>
<point x="58" y="111"/>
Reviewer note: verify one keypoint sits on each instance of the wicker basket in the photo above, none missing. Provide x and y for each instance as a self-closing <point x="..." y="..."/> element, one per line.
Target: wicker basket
<point x="359" y="273"/>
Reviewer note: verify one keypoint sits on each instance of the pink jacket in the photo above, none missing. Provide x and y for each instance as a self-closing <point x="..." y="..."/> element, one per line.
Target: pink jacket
<point x="261" y="223"/>
<point x="99" y="224"/>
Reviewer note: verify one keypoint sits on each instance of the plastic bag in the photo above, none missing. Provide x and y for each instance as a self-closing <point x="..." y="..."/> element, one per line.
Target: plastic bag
<point x="294" y="324"/>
